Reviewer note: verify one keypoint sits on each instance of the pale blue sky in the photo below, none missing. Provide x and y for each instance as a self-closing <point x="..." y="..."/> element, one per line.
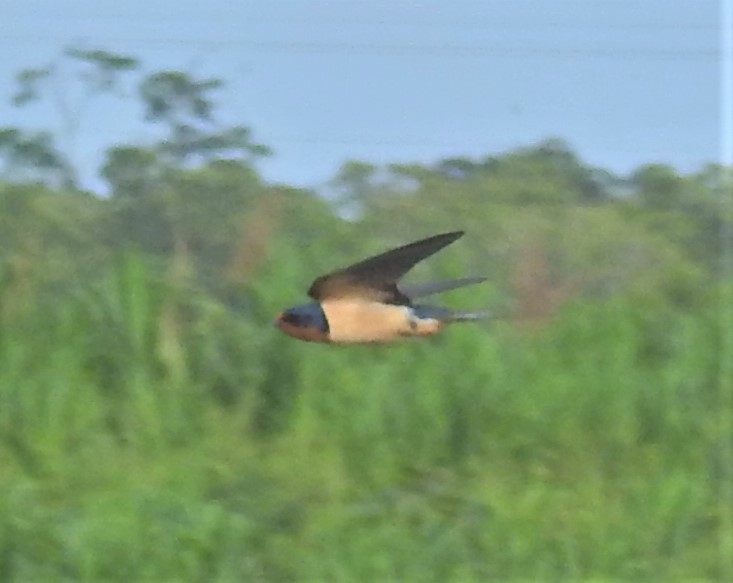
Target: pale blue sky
<point x="625" y="82"/>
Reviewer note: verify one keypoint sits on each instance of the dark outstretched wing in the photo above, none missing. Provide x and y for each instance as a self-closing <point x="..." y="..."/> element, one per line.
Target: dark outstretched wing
<point x="428" y="288"/>
<point x="375" y="278"/>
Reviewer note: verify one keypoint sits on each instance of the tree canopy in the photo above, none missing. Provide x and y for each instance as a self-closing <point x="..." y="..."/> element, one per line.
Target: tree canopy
<point x="155" y="426"/>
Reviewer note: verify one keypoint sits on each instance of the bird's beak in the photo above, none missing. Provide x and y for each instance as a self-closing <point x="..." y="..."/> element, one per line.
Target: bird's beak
<point x="278" y="320"/>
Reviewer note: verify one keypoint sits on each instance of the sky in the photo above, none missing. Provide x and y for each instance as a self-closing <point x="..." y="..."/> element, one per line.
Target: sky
<point x="624" y="82"/>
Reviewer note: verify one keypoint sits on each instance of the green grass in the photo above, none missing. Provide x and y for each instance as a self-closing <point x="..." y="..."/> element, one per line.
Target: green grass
<point x="147" y="433"/>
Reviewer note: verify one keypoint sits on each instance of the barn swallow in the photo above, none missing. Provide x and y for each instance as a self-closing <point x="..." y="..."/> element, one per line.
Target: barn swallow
<point x="363" y="303"/>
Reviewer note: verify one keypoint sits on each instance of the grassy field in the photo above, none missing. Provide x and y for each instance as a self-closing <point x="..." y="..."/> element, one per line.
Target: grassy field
<point x="149" y="433"/>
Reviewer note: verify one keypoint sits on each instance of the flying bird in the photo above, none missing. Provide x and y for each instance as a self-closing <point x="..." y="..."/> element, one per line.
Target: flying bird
<point x="363" y="303"/>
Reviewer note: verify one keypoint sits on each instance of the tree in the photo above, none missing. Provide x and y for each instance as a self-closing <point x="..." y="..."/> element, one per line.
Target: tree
<point x="185" y="106"/>
<point x="659" y="186"/>
<point x="97" y="72"/>
<point x="132" y="171"/>
<point x="48" y="238"/>
<point x="33" y="156"/>
<point x="354" y="183"/>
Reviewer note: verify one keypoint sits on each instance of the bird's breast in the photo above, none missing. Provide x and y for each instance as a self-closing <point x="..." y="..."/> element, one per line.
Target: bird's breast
<point x="353" y="321"/>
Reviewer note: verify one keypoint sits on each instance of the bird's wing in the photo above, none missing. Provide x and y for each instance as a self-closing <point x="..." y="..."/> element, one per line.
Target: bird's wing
<point x="428" y="288"/>
<point x="376" y="278"/>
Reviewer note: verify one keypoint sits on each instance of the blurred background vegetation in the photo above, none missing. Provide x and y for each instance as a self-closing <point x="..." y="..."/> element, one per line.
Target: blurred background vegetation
<point x="154" y="426"/>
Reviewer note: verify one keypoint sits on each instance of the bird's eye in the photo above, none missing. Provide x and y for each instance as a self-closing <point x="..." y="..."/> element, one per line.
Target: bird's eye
<point x="291" y="318"/>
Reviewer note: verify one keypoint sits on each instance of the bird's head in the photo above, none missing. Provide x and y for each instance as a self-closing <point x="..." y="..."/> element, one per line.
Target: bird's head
<point x="306" y="322"/>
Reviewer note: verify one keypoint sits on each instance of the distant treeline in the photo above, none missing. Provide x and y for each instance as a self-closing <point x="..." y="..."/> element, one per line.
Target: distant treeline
<point x="537" y="211"/>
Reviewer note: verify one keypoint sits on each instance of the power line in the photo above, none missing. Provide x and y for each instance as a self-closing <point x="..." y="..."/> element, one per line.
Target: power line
<point x="448" y="22"/>
<point x="396" y="49"/>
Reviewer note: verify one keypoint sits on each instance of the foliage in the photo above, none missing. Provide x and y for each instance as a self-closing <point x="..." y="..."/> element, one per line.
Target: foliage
<point x="148" y="434"/>
<point x="183" y="104"/>
<point x="155" y="426"/>
<point x="33" y="156"/>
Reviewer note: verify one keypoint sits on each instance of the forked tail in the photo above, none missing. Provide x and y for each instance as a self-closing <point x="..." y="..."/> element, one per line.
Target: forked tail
<point x="448" y="315"/>
<point x="467" y="316"/>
